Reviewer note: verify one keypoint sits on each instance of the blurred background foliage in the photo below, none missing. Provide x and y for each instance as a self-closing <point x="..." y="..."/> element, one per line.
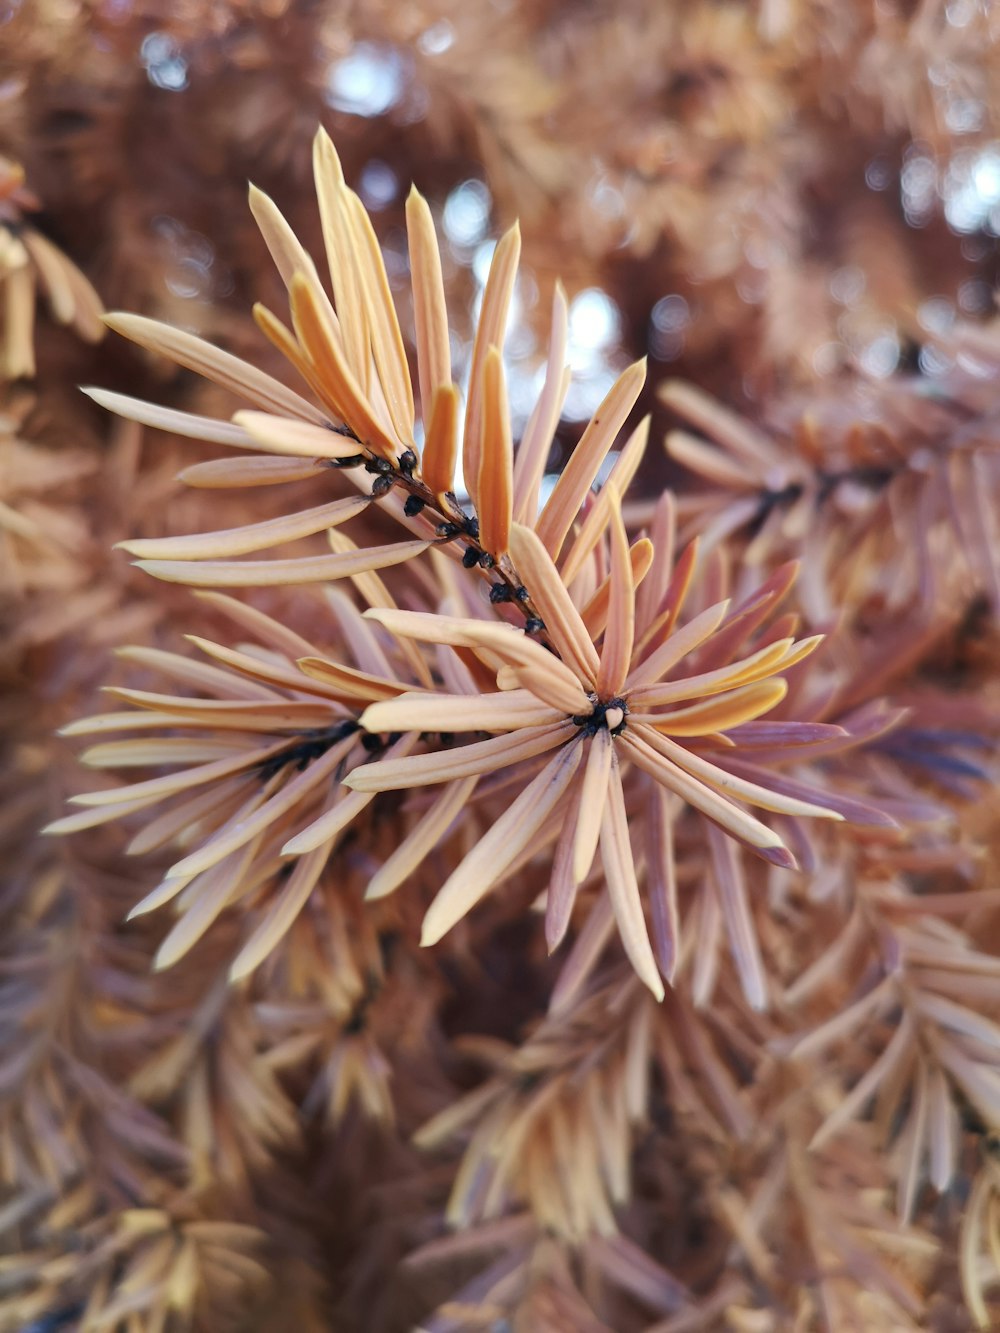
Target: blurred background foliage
<point x="793" y="205"/>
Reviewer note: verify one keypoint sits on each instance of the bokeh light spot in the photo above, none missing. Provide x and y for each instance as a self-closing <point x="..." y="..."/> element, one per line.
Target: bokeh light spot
<point x="437" y="39"/>
<point x="378" y="185"/>
<point x="165" y="66"/>
<point x="467" y="213"/>
<point x="367" y="82"/>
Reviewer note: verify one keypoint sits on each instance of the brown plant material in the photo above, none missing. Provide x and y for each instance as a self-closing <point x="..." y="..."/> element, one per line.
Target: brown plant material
<point x="29" y="262"/>
<point x="459" y="670"/>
